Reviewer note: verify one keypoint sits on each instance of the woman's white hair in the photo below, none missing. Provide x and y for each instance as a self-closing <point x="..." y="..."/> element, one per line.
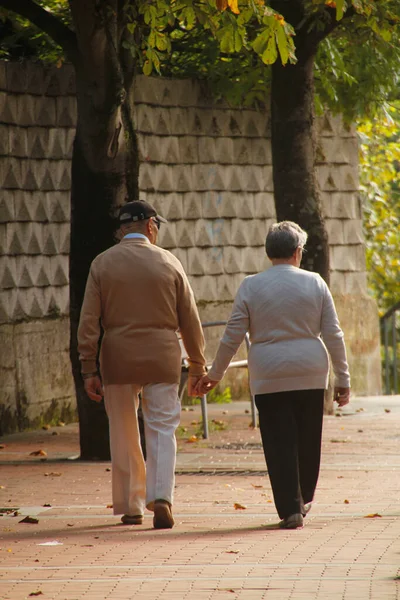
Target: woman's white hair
<point x="283" y="239"/>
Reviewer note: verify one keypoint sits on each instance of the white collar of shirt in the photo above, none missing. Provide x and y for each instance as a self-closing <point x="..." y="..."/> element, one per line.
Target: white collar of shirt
<point x="129" y="236"/>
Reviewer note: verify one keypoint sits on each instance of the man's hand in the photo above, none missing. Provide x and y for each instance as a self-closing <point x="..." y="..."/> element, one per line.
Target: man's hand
<point x="94" y="388"/>
<point x="205" y="385"/>
<point x="342" y="395"/>
<point x="192" y="384"/>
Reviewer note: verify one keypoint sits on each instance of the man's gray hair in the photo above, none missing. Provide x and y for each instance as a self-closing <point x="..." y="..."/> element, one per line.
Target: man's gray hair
<point x="283" y="239"/>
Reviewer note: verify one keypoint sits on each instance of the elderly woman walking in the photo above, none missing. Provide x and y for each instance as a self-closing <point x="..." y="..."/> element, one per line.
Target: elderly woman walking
<point x="291" y="318"/>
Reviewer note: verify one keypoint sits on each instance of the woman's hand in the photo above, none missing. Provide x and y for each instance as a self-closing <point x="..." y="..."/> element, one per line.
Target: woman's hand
<point x="342" y="395"/>
<point x="205" y="385"/>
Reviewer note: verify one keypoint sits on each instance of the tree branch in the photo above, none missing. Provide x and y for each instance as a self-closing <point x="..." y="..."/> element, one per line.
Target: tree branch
<point x="317" y="35"/>
<point x="60" y="33"/>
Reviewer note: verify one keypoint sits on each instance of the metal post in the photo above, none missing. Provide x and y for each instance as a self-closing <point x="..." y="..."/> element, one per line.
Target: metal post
<point x="253" y="404"/>
<point x="204" y="414"/>
<point x="387" y="369"/>
<point x="394" y="345"/>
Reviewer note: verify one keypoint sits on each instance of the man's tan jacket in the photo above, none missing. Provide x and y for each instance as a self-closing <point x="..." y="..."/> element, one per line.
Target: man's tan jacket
<point x="143" y="298"/>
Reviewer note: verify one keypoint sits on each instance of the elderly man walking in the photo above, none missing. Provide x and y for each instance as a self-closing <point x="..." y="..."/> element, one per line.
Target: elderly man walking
<point x="142" y="297"/>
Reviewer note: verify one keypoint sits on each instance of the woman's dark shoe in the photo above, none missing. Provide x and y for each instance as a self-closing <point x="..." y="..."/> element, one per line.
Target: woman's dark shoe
<point x="163" y="518"/>
<point x="293" y="522"/>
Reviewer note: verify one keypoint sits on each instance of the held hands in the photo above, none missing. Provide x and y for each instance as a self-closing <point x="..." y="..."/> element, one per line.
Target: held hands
<point x="94" y="388"/>
<point x="204" y="385"/>
<point x="341" y="395"/>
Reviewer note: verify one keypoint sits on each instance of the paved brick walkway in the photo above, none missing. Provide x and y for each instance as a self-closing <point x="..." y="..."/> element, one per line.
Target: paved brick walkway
<point x="216" y="551"/>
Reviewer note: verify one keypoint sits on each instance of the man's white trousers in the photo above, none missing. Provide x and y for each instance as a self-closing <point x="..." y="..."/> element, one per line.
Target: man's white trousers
<point x="136" y="484"/>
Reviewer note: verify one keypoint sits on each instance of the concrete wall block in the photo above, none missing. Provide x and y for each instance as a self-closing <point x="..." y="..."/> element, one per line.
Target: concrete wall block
<point x="341" y="205"/>
<point x="5" y="132"/>
<point x="58" y="270"/>
<point x="242" y="151"/>
<point x="58" y="143"/>
<point x="180" y="124"/>
<point x="38" y="142"/>
<point x="328" y="178"/>
<point x="255" y="123"/>
<point x="337" y="283"/>
<point x="168" y="236"/>
<point x="169" y="206"/>
<point x="261" y="153"/>
<point x="233" y="260"/>
<point x="241" y="233"/>
<point x="66" y="111"/>
<point x="224" y="151"/>
<point x="25" y="205"/>
<point x="347" y="258"/>
<point x="182" y="255"/>
<point x="27" y="268"/>
<point x="254" y="260"/>
<point x="353" y="231"/>
<point x="230" y="205"/>
<point x="144" y="119"/>
<point x="7" y="209"/>
<point x="36" y="79"/>
<point x="211" y="204"/>
<point x="192" y="207"/>
<point x="58" y="206"/>
<point x="27" y="110"/>
<point x="18" y="142"/>
<point x="207" y="149"/>
<point x="208" y="261"/>
<point x="8" y="272"/>
<point x="188" y="149"/>
<point x="216" y="232"/>
<point x="334" y="228"/>
<point x="349" y="179"/>
<point x="326" y="125"/>
<point x="264" y="205"/>
<point x="9" y="108"/>
<point x="11" y="173"/>
<point x="44" y="112"/>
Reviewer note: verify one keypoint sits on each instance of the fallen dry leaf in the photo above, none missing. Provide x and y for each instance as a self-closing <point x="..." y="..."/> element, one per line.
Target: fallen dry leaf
<point x="192" y="439"/>
<point x="387" y="410"/>
<point x="193" y="423"/>
<point x="38" y="593"/>
<point x="46" y="427"/>
<point x="2" y="446"/>
<point x="47" y="504"/>
<point x="347" y="501"/>
<point x="61" y="424"/>
<point x="38" y="453"/>
<point x="373" y="516"/>
<point x="238" y="506"/>
<point x="55" y="433"/>
<point x="53" y="474"/>
<point x="109" y="506"/>
<point x="232" y="552"/>
<point x="257" y="487"/>
<point x="29" y="519"/>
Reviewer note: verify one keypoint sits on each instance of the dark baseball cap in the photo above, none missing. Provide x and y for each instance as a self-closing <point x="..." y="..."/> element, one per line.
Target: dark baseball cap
<point x="138" y="210"/>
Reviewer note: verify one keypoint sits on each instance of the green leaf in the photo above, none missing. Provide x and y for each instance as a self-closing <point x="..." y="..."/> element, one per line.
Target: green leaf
<point x="339" y="9"/>
<point x="131" y="27"/>
<point x="270" y="55"/>
<point x="147" y="67"/>
<point x="282" y="45"/>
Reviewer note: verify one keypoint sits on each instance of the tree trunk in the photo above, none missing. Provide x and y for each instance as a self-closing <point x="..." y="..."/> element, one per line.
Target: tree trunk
<point x="293" y="141"/>
<point x="104" y="170"/>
